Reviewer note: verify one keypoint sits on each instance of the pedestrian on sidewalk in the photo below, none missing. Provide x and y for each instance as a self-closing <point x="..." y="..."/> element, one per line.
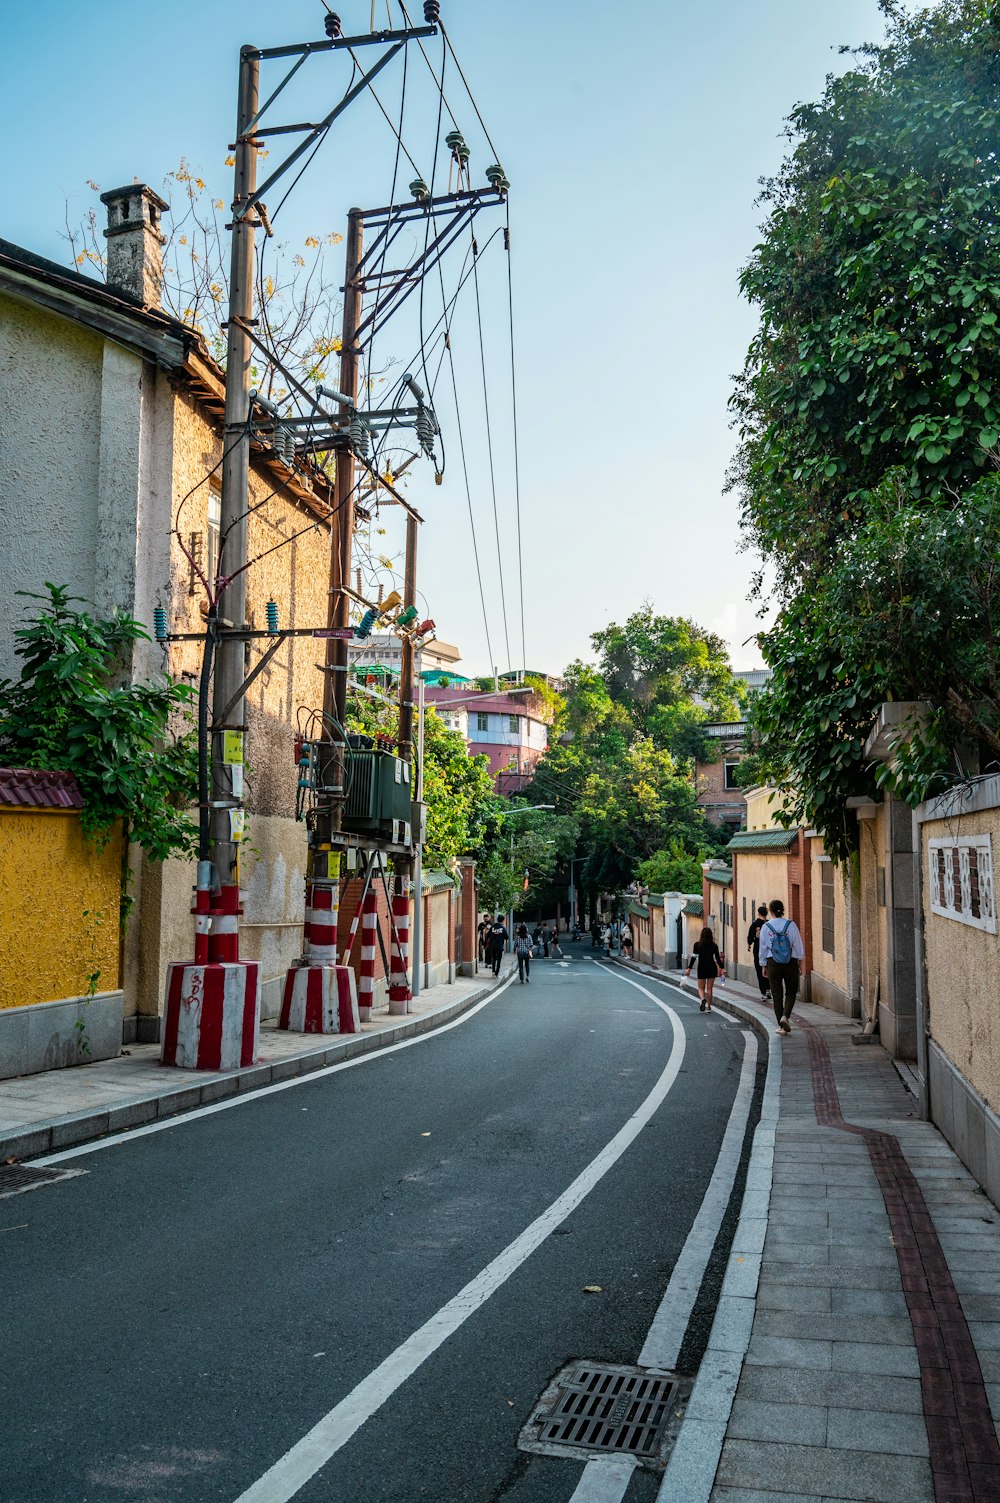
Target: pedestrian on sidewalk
<point x="781" y="949"/>
<point x="627" y="940"/>
<point x="522" y="949"/>
<point x="536" y="940"/>
<point x="484" y="929"/>
<point x="606" y="938"/>
<point x="709" y="962"/>
<point x="753" y="944"/>
<point x="495" y="942"/>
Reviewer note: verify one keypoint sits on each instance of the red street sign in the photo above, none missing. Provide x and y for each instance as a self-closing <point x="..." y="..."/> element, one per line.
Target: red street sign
<point x="342" y="632"/>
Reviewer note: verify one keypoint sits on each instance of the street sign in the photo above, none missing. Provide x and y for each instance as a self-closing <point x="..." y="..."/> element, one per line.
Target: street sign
<point x="342" y="632"/>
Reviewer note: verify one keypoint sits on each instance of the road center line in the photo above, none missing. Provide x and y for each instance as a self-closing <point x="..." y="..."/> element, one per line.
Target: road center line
<point x="285" y="1478"/>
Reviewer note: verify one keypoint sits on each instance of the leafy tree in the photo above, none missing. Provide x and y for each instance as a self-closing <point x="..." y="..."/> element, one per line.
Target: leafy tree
<point x="673" y="870"/>
<point x="499" y="885"/>
<point x="905" y="613"/>
<point x="877" y="281"/>
<point x="72" y="709"/>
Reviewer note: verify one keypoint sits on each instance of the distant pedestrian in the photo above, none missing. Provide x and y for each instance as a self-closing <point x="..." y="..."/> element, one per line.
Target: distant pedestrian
<point x="545" y="942"/>
<point x="536" y="939"/>
<point x="606" y="938"/>
<point x="522" y="949"/>
<point x="709" y="962"/>
<point x="554" y="943"/>
<point x="595" y="935"/>
<point x="753" y="944"/>
<point x="781" y="950"/>
<point x="496" y="939"/>
<point x="484" y="929"/>
<point x="627" y="940"/>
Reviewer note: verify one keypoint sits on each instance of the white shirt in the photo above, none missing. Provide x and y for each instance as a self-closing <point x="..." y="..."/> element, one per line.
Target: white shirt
<point x="767" y="936"/>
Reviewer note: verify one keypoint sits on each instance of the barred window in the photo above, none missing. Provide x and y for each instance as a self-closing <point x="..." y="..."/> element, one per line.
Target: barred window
<point x="960" y="880"/>
<point x="827" y="908"/>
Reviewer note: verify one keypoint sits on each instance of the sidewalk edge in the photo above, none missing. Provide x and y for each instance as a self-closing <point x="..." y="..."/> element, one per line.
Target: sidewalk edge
<point x="85" y="1127"/>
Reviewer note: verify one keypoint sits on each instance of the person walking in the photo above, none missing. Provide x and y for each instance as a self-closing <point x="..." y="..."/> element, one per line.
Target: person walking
<point x="753" y="944"/>
<point x="709" y="962"/>
<point x="522" y="949"/>
<point x="536" y="939"/>
<point x="781" y="950"/>
<point x="495" y="941"/>
<point x="554" y="942"/>
<point x="627" y="940"/>
<point x="606" y="938"/>
<point x="484" y="929"/>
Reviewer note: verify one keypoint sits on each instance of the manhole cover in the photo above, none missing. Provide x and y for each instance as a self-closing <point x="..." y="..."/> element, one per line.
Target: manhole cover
<point x="598" y="1409"/>
<point x="16" y="1178"/>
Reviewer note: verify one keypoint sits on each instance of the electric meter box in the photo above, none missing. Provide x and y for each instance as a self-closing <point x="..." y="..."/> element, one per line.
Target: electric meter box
<point x="379" y="793"/>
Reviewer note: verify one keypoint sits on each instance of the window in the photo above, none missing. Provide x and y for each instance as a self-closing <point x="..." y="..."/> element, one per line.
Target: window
<point x="730" y="775"/>
<point x="482" y="721"/>
<point x="827" y="906"/>
<point x="961" y="880"/>
<point x="214" y="525"/>
<point x="514" y="725"/>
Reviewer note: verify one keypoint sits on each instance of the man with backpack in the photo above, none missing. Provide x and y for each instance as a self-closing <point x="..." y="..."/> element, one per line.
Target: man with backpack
<point x="781" y="949"/>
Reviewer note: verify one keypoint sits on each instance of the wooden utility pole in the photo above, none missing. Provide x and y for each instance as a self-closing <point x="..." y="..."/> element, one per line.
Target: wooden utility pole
<point x="228" y="738"/>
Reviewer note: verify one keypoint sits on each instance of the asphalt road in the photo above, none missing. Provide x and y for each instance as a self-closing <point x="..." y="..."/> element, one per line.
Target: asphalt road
<point x="177" y="1318"/>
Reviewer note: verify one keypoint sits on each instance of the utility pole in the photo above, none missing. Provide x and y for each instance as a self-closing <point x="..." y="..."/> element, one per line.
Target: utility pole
<point x="320" y="996"/>
<point x="212" y="1011"/>
<point x="408" y="870"/>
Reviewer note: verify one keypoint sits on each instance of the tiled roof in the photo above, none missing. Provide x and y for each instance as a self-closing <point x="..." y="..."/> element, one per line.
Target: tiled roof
<point x="32" y="788"/>
<point x="639" y="908"/>
<point x="763" y="840"/>
<point x="720" y="876"/>
<point x="694" y="906"/>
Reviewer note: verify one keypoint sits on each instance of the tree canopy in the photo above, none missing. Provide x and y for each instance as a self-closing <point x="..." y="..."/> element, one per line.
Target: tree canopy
<point x="869" y="415"/>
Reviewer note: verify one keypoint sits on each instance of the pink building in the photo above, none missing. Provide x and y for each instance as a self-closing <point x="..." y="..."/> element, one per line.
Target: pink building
<point x="511" y="729"/>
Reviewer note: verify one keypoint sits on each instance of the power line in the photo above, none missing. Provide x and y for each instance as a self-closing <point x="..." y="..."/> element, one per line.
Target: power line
<point x="517" y="462"/>
<point x="465" y="81"/>
<point x="489" y="449"/>
<point x="468" y="497"/>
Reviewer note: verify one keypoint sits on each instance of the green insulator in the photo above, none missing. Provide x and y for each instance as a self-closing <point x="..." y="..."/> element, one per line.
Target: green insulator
<point x="454" y="140"/>
<point x="420" y="190"/>
<point x="497" y="178"/>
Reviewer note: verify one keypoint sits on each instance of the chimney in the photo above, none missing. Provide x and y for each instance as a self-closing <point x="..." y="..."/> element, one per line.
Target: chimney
<point x="135" y="243"/>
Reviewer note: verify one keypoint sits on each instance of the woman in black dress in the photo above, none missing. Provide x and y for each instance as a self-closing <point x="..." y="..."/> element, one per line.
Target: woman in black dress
<point x="709" y="961"/>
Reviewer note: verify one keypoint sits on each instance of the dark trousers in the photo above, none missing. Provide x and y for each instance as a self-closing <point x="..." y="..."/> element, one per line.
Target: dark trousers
<point x="784" y="981"/>
<point x="523" y="967"/>
<point x="495" y="957"/>
<point x="762" y="980"/>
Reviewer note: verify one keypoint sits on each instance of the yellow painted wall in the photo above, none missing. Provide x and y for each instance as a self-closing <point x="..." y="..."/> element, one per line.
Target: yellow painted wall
<point x="49" y="874"/>
<point x="963" y="972"/>
<point x="834" y="968"/>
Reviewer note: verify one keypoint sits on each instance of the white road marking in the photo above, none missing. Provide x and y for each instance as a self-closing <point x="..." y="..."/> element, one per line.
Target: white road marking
<point x="601" y="1483"/>
<point x="285" y="1478"/>
<point x="244" y="1098"/>
<point x="605" y="1479"/>
<point x="663" y="1342"/>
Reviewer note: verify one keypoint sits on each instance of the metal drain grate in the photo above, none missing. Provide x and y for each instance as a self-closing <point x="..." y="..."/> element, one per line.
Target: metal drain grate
<point x="16" y="1178"/>
<point x="600" y="1409"/>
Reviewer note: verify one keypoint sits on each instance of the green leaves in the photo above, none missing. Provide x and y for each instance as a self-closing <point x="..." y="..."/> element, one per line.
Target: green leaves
<point x="72" y="708"/>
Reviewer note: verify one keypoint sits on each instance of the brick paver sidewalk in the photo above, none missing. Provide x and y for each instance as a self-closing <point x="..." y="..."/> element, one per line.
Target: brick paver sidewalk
<point x="874" y="1355"/>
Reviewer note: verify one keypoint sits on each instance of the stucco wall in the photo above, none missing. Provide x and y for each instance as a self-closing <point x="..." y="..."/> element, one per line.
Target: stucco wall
<point x="963" y="972"/>
<point x="874" y="937"/>
<point x="59" y="916"/>
<point x="831" y="969"/>
<point x="50" y="439"/>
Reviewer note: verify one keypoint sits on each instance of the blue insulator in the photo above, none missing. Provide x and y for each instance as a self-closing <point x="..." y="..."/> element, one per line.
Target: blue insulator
<point x="272" y="617"/>
<point x="364" y="626"/>
<point x="159" y="623"/>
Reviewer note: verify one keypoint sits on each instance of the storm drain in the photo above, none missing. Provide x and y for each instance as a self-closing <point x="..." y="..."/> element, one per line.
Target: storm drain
<point x="16" y="1178"/>
<point x="597" y="1409"/>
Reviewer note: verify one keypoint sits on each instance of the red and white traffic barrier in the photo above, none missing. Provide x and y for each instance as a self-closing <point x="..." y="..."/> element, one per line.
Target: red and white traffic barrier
<point x="322" y="916"/>
<point x="366" y="980"/>
<point x="399" y="976"/>
<point x="320" y="999"/>
<point x="212" y="1015"/>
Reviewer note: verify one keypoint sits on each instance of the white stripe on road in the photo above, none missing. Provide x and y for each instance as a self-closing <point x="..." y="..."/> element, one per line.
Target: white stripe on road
<point x="244" y="1098"/>
<point x="336" y="1428"/>
<point x="663" y="1343"/>
<point x="601" y="1483"/>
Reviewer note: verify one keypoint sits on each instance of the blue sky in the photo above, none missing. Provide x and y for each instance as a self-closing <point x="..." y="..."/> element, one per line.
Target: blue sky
<point x="634" y="136"/>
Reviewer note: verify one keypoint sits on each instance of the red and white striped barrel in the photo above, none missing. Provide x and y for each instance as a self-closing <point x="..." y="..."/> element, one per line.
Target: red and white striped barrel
<point x="320" y="999"/>
<point x="212" y="1015"/>
<point x="322" y="914"/>
<point x="366" y="980"/>
<point x="399" y="978"/>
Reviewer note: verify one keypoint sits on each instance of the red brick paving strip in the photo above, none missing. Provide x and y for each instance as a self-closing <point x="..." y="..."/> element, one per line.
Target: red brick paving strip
<point x="964" y="1451"/>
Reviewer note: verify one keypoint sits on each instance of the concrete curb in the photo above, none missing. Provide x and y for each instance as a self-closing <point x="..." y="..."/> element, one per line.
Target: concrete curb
<point x="84" y="1127"/>
<point x="694" y="1460"/>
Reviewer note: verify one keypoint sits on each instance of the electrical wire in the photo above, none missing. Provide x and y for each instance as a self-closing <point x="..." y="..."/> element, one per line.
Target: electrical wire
<point x="438" y="85"/>
<point x="489" y="450"/>
<point x="386" y="115"/>
<point x="468" y="497"/>
<point x="458" y="65"/>
<point x="427" y="230"/>
<point x="517" y="460"/>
